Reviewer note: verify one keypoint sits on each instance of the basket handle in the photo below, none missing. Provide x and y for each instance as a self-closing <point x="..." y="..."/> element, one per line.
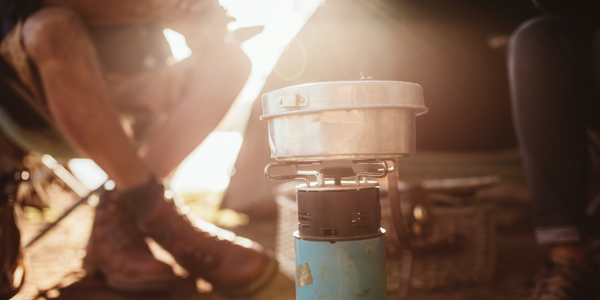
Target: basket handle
<point x="401" y="231"/>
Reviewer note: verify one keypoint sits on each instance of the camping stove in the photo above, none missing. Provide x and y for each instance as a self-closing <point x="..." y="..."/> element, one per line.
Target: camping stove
<point x="336" y="136"/>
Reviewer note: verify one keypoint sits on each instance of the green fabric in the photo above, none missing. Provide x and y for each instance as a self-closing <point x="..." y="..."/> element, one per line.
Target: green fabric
<point x="45" y="141"/>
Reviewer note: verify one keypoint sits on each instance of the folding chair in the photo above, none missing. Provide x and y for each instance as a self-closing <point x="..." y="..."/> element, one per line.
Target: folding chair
<point x="29" y="127"/>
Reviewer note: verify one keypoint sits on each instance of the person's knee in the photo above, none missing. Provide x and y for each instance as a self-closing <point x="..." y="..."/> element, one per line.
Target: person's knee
<point x="240" y="64"/>
<point x="234" y="66"/>
<point x="52" y="32"/>
<point x="539" y="33"/>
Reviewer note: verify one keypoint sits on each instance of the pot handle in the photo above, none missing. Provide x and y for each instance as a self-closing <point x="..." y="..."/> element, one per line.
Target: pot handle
<point x="292" y="176"/>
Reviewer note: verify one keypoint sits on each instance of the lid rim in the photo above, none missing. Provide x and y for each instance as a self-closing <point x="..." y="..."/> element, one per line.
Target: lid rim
<point x="421" y="109"/>
<point x="334" y="83"/>
<point x="346" y="94"/>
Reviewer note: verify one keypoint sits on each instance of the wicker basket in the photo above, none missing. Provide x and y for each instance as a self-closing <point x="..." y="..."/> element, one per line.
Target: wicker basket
<point x="287" y="223"/>
<point x="459" y="248"/>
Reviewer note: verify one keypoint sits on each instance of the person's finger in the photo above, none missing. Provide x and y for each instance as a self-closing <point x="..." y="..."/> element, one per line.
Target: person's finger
<point x="200" y="5"/>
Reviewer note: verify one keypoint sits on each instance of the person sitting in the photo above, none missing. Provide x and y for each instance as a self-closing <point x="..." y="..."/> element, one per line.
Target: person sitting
<point x="99" y="71"/>
<point x="554" y="72"/>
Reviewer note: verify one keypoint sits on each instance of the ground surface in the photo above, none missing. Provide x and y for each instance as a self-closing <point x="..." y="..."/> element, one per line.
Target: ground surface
<point x="53" y="263"/>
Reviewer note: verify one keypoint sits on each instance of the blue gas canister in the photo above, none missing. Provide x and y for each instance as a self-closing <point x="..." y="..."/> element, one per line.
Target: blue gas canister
<point x="323" y="131"/>
<point x="340" y="248"/>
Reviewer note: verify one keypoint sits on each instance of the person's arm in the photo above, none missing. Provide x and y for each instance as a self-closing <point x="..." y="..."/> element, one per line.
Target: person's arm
<point x="101" y="12"/>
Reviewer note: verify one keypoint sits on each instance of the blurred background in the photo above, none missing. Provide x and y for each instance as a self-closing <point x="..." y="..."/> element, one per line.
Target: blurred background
<point x="455" y="49"/>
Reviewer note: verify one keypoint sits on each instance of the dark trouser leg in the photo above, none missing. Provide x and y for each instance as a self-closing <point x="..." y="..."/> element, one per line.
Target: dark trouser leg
<point x="551" y="80"/>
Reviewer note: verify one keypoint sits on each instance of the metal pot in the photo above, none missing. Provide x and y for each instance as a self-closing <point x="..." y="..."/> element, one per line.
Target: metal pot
<point x="343" y="120"/>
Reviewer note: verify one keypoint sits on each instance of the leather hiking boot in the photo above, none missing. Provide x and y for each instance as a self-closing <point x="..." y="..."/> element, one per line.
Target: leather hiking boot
<point x="117" y="250"/>
<point x="233" y="265"/>
<point x="563" y="280"/>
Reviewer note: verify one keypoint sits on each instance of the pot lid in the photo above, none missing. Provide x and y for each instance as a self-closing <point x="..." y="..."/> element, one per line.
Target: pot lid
<point x="335" y="95"/>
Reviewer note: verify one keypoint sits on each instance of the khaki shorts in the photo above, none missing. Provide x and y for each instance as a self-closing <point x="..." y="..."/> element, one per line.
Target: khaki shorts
<point x="144" y="98"/>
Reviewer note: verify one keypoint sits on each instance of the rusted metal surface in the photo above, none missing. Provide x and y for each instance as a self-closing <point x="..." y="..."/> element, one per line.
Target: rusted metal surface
<point x="341" y="270"/>
<point x="303" y="275"/>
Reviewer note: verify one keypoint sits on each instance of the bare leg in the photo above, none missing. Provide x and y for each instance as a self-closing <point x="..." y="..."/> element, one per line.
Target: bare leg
<point x="79" y="100"/>
<point x="222" y="72"/>
<point x="58" y="43"/>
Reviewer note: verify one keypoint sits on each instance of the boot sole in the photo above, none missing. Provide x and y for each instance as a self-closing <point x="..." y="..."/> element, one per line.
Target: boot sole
<point x="128" y="284"/>
<point x="266" y="276"/>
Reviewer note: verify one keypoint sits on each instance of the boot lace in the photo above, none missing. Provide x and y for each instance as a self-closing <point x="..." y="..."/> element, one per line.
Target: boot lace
<point x="122" y="221"/>
<point x="560" y="281"/>
<point x="192" y="238"/>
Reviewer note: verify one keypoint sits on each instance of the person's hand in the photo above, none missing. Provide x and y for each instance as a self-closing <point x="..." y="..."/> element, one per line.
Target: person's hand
<point x="180" y="10"/>
<point x="167" y="12"/>
<point x="192" y="6"/>
<point x="202" y="22"/>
